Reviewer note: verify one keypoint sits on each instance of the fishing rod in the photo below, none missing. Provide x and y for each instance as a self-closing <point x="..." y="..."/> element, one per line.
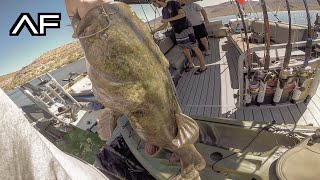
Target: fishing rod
<point x="266" y="34"/>
<point x="286" y="73"/>
<point x="309" y="38"/>
<point x="289" y="45"/>
<point x="306" y="71"/>
<point x="246" y="39"/>
<point x="265" y="75"/>
<point x="248" y="97"/>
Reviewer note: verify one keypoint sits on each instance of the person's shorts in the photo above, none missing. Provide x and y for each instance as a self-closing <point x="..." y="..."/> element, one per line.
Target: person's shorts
<point x="200" y="31"/>
<point x="186" y="39"/>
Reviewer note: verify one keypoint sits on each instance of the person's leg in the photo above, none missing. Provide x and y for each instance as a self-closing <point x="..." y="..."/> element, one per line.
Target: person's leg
<point x="199" y="54"/>
<point x="187" y="53"/>
<point x="200" y="45"/>
<point x="203" y="36"/>
<point x="205" y="43"/>
<point x="197" y="33"/>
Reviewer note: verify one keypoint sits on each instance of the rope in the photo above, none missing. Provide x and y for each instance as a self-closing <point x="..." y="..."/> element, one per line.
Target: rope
<point x="255" y="12"/>
<point x="154" y="20"/>
<point x="275" y="15"/>
<point x="104" y="13"/>
<point x="145" y="15"/>
<point x="268" y="8"/>
<point x="279" y="7"/>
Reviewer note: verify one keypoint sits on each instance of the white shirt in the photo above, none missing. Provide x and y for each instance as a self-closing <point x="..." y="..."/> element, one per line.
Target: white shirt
<point x="192" y="11"/>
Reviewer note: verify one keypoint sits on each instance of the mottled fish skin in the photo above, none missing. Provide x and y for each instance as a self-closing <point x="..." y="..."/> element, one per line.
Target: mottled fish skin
<point x="129" y="75"/>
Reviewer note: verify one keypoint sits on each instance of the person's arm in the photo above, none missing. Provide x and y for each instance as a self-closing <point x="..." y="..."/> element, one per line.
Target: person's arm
<point x="175" y="8"/>
<point x="205" y="16"/>
<point x="163" y="26"/>
<point x="181" y="14"/>
<point x="73" y="15"/>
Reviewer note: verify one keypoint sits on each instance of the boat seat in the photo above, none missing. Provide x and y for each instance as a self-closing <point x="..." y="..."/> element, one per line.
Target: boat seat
<point x="279" y="54"/>
<point x="300" y="162"/>
<point x="279" y="31"/>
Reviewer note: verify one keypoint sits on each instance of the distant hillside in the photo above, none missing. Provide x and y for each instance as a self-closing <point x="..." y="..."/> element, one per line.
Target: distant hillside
<point x="5" y="80"/>
<point x="49" y="61"/>
<point x="226" y="9"/>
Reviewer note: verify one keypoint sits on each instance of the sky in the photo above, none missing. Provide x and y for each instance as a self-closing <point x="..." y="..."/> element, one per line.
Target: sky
<point x="19" y="51"/>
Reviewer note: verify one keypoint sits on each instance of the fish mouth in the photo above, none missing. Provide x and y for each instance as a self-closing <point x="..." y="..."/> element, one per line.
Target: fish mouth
<point x="151" y="150"/>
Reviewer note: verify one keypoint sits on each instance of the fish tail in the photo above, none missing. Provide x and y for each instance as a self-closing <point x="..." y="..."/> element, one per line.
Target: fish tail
<point x="188" y="130"/>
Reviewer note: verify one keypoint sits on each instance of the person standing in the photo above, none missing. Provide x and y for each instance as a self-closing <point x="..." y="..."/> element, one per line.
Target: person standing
<point x="193" y="12"/>
<point x="173" y="13"/>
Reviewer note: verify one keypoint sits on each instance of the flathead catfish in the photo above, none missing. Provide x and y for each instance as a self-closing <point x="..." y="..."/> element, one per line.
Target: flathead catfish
<point x="129" y="75"/>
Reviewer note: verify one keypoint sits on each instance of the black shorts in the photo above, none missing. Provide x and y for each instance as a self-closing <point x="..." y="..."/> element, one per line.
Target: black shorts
<point x="200" y="31"/>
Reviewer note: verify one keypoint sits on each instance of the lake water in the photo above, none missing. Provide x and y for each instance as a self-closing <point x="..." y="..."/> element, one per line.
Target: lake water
<point x="297" y="17"/>
<point x="147" y="11"/>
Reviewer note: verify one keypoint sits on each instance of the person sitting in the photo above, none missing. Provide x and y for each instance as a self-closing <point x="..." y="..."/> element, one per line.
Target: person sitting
<point x="193" y="12"/>
<point x="173" y="13"/>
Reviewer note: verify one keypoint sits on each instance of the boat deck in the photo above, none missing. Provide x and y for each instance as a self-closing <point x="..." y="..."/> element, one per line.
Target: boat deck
<point x="211" y="93"/>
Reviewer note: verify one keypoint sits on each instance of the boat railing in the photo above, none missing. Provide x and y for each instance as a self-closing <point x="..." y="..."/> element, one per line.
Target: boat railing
<point x="48" y="95"/>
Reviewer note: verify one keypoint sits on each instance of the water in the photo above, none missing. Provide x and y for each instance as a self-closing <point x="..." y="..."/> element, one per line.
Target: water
<point x="146" y="12"/>
<point x="297" y="17"/>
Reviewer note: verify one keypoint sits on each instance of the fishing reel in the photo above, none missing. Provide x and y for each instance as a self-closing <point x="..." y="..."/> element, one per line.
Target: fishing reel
<point x="314" y="85"/>
<point x="254" y="88"/>
<point x="316" y="25"/>
<point x="263" y="77"/>
<point x="251" y="90"/>
<point x="303" y="74"/>
<point x="257" y="85"/>
<point x="286" y="76"/>
<point x="315" y="138"/>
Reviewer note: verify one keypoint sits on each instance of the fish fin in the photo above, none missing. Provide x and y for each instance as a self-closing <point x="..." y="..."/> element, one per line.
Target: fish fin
<point x="106" y="123"/>
<point x="188" y="130"/>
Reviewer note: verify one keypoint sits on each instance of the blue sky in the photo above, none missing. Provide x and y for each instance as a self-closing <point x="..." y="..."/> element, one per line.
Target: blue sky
<point x="19" y="51"/>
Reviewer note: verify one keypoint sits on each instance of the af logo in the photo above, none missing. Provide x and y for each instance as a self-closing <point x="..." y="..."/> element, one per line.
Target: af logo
<point x="45" y="21"/>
